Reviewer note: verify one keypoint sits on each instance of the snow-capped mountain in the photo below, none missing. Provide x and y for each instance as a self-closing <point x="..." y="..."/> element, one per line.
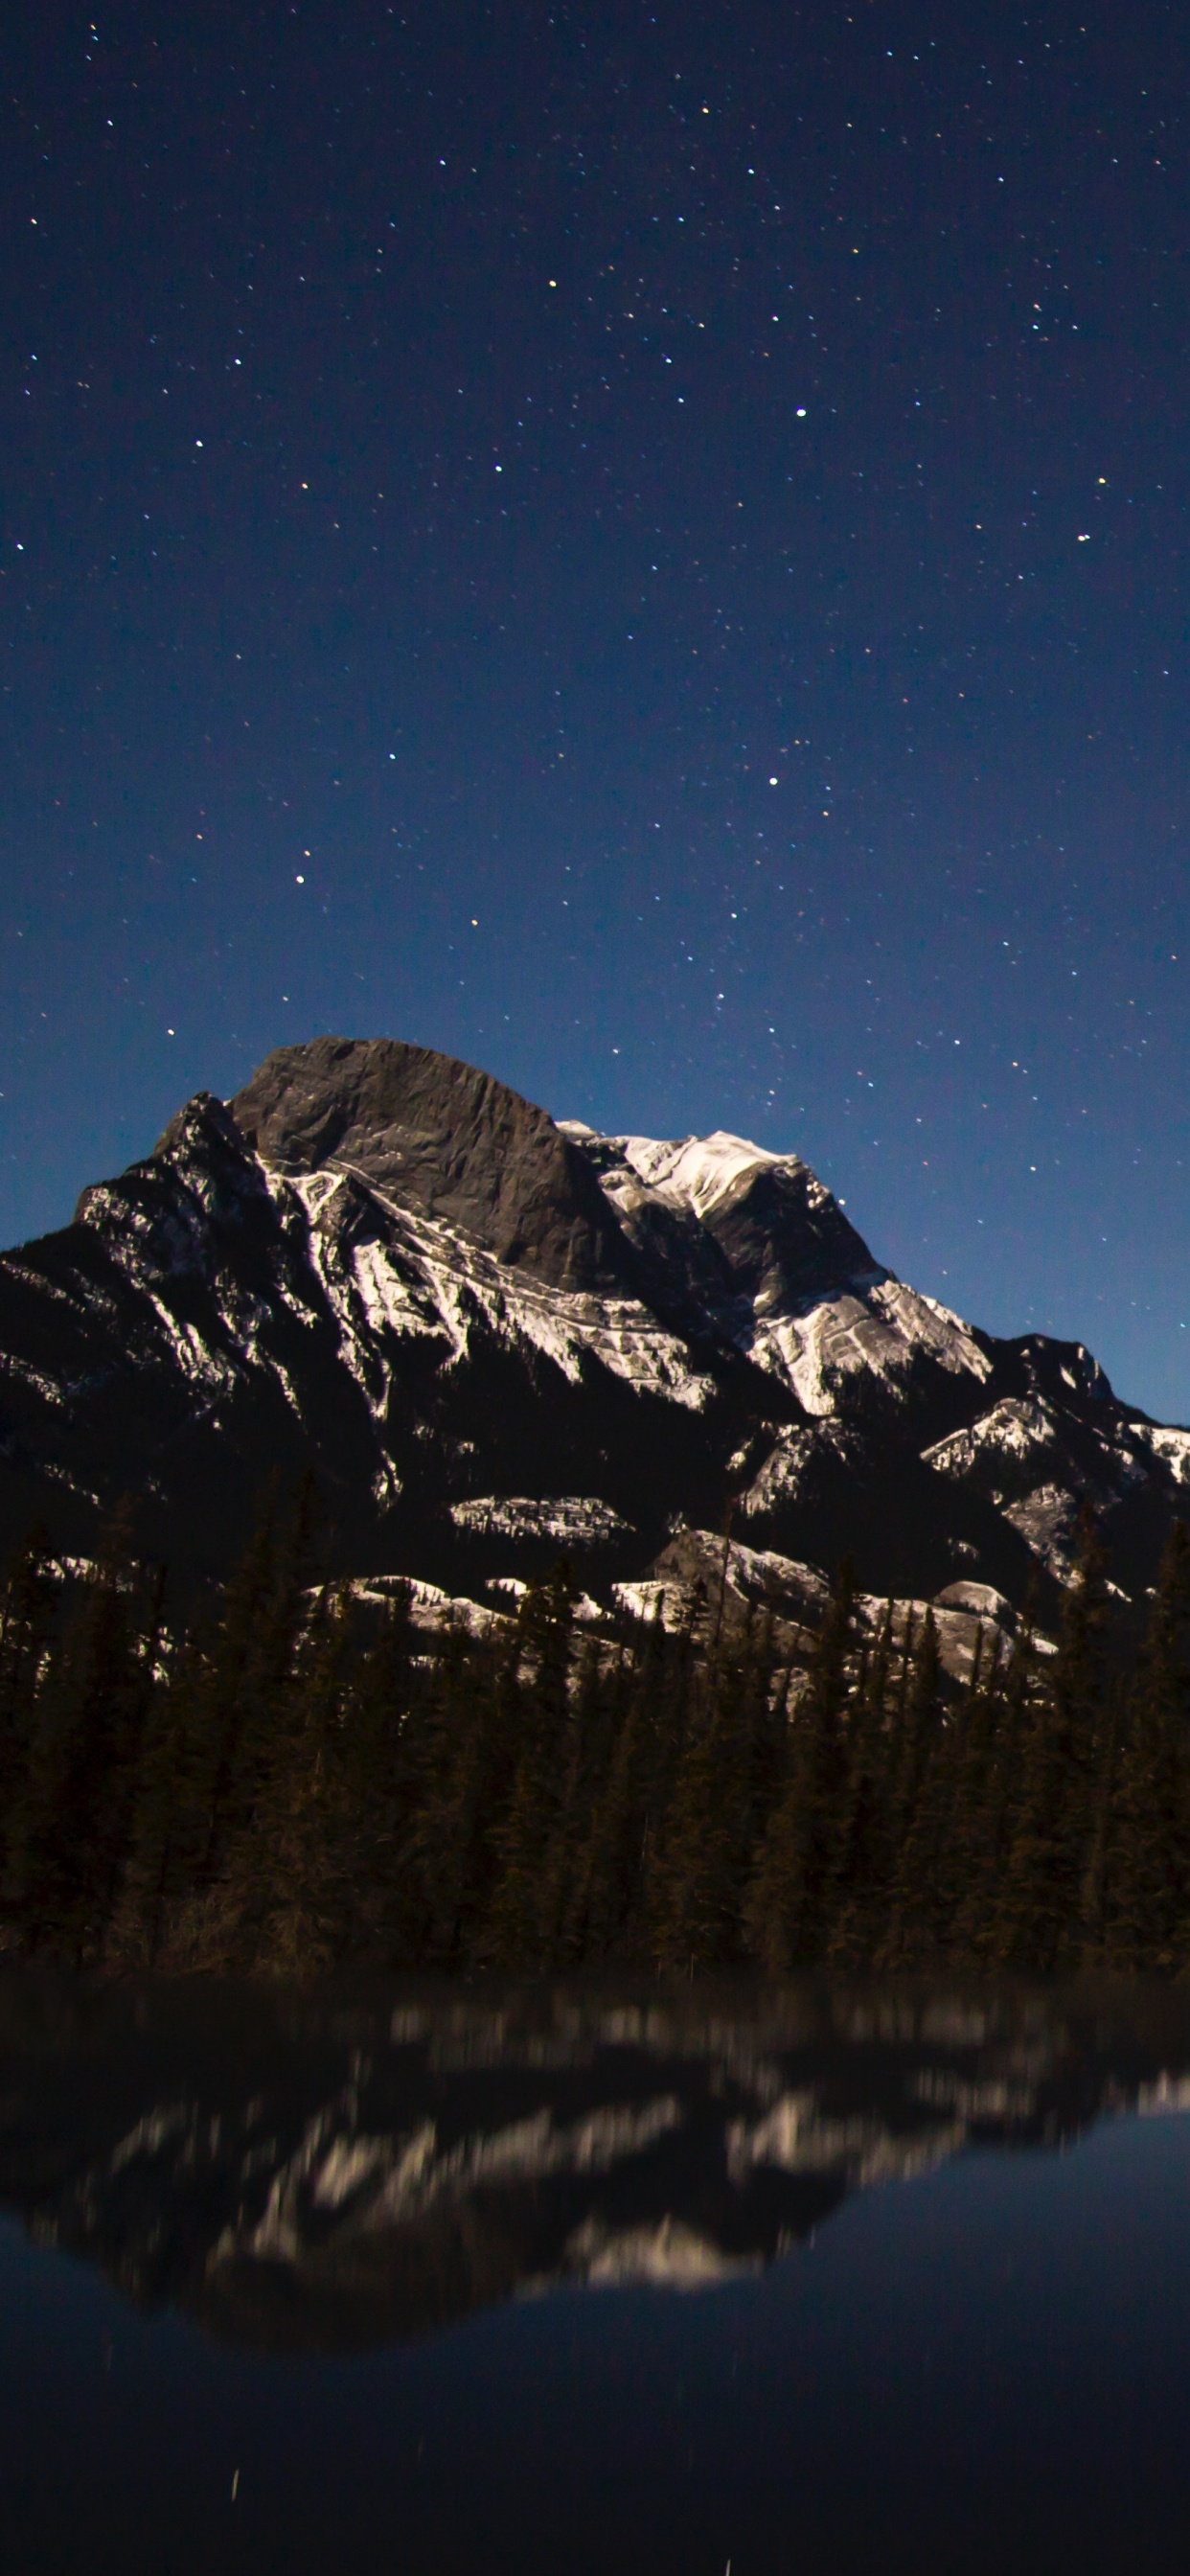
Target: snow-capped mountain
<point x="494" y="1334"/>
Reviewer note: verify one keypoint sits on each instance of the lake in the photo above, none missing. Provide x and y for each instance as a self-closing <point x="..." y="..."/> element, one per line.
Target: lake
<point x="825" y="2278"/>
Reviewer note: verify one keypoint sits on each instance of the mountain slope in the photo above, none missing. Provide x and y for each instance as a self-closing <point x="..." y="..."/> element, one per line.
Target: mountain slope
<point x="492" y="1333"/>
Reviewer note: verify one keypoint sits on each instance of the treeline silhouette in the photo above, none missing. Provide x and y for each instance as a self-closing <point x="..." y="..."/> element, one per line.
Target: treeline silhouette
<point x="290" y="1781"/>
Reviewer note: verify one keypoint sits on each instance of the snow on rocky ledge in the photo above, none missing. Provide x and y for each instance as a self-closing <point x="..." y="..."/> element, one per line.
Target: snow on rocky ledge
<point x="577" y="1518"/>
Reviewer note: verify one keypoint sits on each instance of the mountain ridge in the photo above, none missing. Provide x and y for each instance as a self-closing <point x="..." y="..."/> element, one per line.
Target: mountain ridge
<point x="382" y="1263"/>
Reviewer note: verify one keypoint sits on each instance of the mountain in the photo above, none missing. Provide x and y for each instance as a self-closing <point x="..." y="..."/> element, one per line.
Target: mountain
<point x="493" y="1334"/>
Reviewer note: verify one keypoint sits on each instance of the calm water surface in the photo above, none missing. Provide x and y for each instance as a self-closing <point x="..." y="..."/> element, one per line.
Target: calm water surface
<point x="563" y="2279"/>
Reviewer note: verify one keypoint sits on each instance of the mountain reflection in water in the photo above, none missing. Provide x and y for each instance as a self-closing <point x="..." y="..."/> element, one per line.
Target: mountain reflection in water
<point x="338" y="2172"/>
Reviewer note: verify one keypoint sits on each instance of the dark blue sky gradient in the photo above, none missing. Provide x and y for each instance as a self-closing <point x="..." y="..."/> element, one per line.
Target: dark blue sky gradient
<point x="454" y="460"/>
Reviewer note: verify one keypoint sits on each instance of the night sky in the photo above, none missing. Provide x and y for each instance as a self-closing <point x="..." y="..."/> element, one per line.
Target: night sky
<point x="645" y="548"/>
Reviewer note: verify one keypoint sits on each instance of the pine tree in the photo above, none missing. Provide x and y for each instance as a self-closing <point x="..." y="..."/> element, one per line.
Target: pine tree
<point x="700" y="1879"/>
<point x="248" y="1679"/>
<point x="384" y="1759"/>
<point x="866" y="1838"/>
<point x="1040" y="1922"/>
<point x="1020" y="1690"/>
<point x="611" y="1857"/>
<point x="160" y="1868"/>
<point x="723" y="1796"/>
<point x="585" y="1758"/>
<point x="289" y="1874"/>
<point x="1148" y="1896"/>
<point x="468" y="1735"/>
<point x="518" y="1935"/>
<point x="921" y="1793"/>
<point x="28" y="1614"/>
<point x="72" y="1827"/>
<point x="223" y="1684"/>
<point x="792" y="1899"/>
<point x="655" y="1701"/>
<point x="972" y="1829"/>
<point x="1103" y="1840"/>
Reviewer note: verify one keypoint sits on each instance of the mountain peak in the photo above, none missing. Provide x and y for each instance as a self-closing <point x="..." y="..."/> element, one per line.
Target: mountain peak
<point x="440" y="1136"/>
<point x="699" y="1172"/>
<point x="720" y="1208"/>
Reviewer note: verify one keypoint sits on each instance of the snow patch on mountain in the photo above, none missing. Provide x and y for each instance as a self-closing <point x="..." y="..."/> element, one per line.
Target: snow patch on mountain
<point x="429" y="1606"/>
<point x="981" y="1599"/>
<point x="1171" y="1446"/>
<point x="14" y="1366"/>
<point x="883" y="1332"/>
<point x="669" y="1602"/>
<point x="792" y="1460"/>
<point x="868" y="1320"/>
<point x="736" y="1581"/>
<point x="574" y="1519"/>
<point x="697" y="1172"/>
<point x="1047" y="1520"/>
<point x="203" y="1366"/>
<point x="586" y="1612"/>
<point x="1015" y="1430"/>
<point x="418" y="1276"/>
<point x="756" y="1574"/>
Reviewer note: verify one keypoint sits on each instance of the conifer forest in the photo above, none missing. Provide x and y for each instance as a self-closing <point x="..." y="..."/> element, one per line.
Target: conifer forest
<point x="289" y="1780"/>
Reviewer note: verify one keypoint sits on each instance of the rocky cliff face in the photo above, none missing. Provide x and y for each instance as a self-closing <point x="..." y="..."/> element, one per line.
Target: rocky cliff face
<point x="491" y="1335"/>
<point x="425" y="1132"/>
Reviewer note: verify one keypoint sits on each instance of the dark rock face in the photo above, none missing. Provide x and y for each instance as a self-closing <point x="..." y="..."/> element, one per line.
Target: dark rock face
<point x="493" y="1338"/>
<point x="787" y="1242"/>
<point x="436" y="1135"/>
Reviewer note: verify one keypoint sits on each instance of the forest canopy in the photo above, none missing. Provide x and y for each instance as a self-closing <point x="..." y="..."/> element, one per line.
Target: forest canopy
<point x="289" y="1780"/>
